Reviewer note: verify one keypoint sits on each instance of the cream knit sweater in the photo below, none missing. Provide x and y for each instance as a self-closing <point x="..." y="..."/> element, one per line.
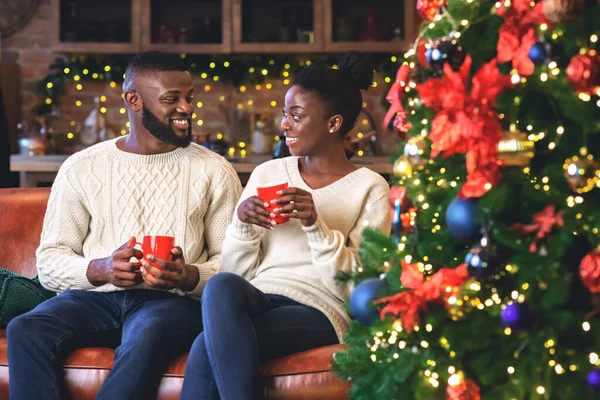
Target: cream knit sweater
<point x="103" y="195"/>
<point x="301" y="262"/>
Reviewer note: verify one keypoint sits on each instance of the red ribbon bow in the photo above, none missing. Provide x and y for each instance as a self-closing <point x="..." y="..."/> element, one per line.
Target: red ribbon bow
<point x="408" y="304"/>
<point x="396" y="93"/>
<point x="542" y="225"/>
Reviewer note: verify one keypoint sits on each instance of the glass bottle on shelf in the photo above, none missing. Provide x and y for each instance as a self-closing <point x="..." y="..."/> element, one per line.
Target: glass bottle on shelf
<point x="94" y="126"/>
<point x="397" y="34"/>
<point x="285" y="26"/>
<point x="304" y="29"/>
<point x="183" y="35"/>
<point x="263" y="136"/>
<point x="370" y="32"/>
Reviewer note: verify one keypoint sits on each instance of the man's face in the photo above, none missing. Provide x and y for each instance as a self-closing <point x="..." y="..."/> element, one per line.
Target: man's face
<point x="163" y="131"/>
<point x="167" y="106"/>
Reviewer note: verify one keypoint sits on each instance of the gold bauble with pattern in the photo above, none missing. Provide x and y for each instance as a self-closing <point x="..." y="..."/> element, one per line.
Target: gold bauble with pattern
<point x="561" y="10"/>
<point x="414" y="151"/>
<point x="515" y="149"/>
<point x="582" y="173"/>
<point x="402" y="168"/>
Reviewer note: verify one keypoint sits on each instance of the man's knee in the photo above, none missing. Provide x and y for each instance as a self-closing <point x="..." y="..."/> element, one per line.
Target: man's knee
<point x="21" y="327"/>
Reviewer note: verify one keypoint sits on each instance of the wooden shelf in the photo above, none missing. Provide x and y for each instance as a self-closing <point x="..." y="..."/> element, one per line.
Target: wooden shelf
<point x="368" y="47"/>
<point x="232" y="34"/>
<point x="276" y="48"/>
<point x="96" y="47"/>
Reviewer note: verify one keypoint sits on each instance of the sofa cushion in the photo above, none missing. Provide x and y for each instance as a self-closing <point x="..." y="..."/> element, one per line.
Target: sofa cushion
<point x="19" y="295"/>
<point x="22" y="212"/>
<point x="304" y="375"/>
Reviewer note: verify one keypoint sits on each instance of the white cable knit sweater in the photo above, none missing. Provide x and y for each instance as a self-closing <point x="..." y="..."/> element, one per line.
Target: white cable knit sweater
<point x="103" y="195"/>
<point x="301" y="262"/>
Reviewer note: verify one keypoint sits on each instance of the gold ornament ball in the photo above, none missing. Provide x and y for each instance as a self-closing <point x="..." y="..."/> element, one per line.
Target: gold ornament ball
<point x="560" y="10"/>
<point x="581" y="173"/>
<point x="515" y="149"/>
<point x="414" y="151"/>
<point x="402" y="168"/>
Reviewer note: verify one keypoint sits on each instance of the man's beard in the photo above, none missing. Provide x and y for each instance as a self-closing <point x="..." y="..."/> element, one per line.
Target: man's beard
<point x="164" y="132"/>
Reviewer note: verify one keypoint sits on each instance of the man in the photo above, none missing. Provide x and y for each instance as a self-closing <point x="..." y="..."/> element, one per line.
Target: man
<point x="152" y="181"/>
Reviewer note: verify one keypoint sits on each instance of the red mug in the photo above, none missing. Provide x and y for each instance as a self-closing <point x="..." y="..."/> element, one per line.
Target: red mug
<point x="267" y="193"/>
<point x="159" y="246"/>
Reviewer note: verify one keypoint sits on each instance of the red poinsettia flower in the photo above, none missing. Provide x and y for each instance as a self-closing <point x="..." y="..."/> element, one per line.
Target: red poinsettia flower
<point x="408" y="304"/>
<point x="466" y="122"/>
<point x="516" y="35"/>
<point x="542" y="224"/>
<point x="513" y="45"/>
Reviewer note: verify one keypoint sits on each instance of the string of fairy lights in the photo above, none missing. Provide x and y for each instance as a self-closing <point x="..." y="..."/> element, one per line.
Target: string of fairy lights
<point x="248" y="76"/>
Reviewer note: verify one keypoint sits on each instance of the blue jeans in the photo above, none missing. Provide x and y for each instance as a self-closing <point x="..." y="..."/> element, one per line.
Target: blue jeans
<point x="148" y="328"/>
<point x="242" y="327"/>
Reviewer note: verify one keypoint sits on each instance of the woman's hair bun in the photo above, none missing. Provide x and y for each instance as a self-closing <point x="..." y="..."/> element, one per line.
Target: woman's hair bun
<point x="358" y="68"/>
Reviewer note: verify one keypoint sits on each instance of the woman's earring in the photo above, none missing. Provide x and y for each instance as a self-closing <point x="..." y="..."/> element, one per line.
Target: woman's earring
<point x="331" y="131"/>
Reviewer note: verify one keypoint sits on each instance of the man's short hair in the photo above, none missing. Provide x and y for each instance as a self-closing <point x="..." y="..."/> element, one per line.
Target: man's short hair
<point x="149" y="62"/>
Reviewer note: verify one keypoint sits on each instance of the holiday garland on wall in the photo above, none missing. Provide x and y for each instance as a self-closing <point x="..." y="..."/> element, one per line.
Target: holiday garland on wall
<point x="488" y="287"/>
<point x="239" y="71"/>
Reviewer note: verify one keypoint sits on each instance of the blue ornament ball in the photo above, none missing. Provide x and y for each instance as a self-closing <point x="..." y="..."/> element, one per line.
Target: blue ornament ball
<point x="539" y="53"/>
<point x="593" y="380"/>
<point x="361" y="301"/>
<point x="483" y="262"/>
<point x="517" y="317"/>
<point x="445" y="51"/>
<point x="461" y="219"/>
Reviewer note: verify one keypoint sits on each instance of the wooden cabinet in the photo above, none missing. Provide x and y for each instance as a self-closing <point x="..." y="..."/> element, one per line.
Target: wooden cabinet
<point x="235" y="26"/>
<point x="108" y="26"/>
<point x="369" y="26"/>
<point x="187" y="26"/>
<point x="277" y="26"/>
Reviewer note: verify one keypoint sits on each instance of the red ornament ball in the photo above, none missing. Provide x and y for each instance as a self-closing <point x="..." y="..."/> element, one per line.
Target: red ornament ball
<point x="467" y="389"/>
<point x="429" y="8"/>
<point x="589" y="271"/>
<point x="583" y="72"/>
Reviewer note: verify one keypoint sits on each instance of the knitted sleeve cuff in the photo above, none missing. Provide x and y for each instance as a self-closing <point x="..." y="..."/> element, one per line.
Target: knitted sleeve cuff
<point x="80" y="280"/>
<point x="205" y="272"/>
<point x="76" y="278"/>
<point x="318" y="233"/>
<point x="243" y="230"/>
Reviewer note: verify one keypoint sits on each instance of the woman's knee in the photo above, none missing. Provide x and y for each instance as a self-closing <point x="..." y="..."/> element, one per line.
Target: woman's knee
<point x="198" y="349"/>
<point x="223" y="284"/>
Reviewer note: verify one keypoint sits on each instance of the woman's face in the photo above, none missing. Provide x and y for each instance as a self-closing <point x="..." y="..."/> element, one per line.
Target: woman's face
<point x="304" y="122"/>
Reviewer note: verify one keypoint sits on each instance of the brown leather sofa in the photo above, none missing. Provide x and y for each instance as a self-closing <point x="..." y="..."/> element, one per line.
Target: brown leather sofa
<point x="301" y="376"/>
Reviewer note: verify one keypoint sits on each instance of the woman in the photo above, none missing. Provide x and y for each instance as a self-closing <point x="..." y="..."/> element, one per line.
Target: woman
<point x="279" y="294"/>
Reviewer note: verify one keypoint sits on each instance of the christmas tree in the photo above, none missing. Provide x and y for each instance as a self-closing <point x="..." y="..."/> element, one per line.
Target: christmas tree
<point x="489" y="285"/>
